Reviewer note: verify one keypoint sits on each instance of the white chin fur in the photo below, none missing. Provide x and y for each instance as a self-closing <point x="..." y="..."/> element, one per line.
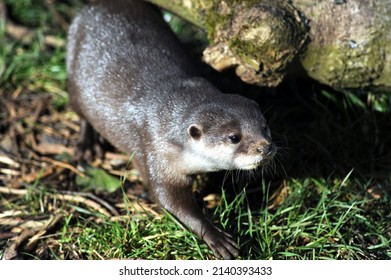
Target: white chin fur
<point x="247" y="162"/>
<point x="202" y="159"/>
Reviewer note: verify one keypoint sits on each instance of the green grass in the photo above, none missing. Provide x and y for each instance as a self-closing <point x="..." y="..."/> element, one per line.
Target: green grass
<point x="328" y="196"/>
<point x="136" y="237"/>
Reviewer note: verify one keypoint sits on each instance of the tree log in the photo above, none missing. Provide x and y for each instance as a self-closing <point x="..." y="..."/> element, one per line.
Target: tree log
<point x="340" y="43"/>
<point x="351" y="42"/>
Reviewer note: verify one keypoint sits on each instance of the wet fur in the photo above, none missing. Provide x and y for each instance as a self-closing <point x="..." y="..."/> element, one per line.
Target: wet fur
<point x="129" y="78"/>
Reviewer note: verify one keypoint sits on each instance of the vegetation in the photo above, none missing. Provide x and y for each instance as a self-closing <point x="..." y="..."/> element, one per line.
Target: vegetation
<point x="327" y="195"/>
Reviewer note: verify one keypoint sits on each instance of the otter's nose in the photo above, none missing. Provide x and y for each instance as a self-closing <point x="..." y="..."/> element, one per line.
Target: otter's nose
<point x="266" y="150"/>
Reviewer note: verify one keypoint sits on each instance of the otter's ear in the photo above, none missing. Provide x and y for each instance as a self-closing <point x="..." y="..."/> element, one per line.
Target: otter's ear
<point x="195" y="131"/>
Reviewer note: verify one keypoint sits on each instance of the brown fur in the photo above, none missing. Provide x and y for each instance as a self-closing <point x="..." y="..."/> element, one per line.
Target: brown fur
<point x="130" y="79"/>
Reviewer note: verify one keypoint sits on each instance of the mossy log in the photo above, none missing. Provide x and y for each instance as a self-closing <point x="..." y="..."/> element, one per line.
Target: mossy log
<point x="341" y="43"/>
<point x="350" y="42"/>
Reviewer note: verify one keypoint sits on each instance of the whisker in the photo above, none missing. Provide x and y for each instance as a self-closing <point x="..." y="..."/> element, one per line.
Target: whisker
<point x="226" y="174"/>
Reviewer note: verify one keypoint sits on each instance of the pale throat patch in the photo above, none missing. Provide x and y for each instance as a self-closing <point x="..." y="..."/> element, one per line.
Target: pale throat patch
<point x="199" y="157"/>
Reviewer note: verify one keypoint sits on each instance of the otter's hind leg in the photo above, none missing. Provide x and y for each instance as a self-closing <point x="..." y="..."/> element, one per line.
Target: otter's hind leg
<point x="89" y="143"/>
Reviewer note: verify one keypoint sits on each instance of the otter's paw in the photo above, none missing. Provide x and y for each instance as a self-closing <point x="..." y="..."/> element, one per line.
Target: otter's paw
<point x="221" y="244"/>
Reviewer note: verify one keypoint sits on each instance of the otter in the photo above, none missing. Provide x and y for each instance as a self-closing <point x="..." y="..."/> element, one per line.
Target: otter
<point x="131" y="81"/>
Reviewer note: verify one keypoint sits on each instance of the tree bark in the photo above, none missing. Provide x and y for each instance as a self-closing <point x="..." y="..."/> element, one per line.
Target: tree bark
<point x="351" y="42"/>
<point x="341" y="43"/>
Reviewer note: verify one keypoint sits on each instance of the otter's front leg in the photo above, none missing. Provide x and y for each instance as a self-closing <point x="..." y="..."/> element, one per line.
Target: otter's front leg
<point x="179" y="200"/>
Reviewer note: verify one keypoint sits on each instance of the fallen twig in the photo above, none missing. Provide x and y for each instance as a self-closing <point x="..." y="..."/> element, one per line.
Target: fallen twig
<point x="72" y="197"/>
<point x="33" y="235"/>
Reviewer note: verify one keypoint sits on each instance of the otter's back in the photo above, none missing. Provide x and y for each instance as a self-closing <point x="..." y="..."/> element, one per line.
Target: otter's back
<point x="123" y="44"/>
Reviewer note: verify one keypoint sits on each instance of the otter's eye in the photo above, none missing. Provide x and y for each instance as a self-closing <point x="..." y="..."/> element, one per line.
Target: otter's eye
<point x="234" y="138"/>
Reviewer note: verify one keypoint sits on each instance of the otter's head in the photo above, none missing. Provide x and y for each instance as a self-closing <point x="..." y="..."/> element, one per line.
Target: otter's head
<point x="230" y="135"/>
